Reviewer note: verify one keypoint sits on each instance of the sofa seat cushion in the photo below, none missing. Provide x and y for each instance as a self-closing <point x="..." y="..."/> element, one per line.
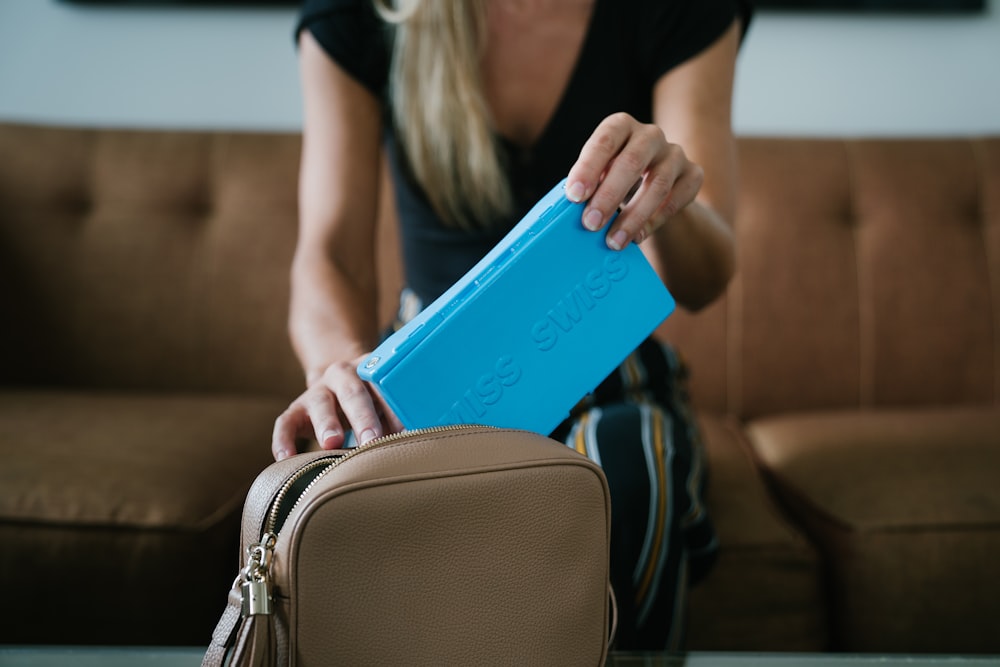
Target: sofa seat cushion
<point x="875" y="470"/>
<point x="765" y="591"/>
<point x="906" y="506"/>
<point x="180" y="462"/>
<point x="130" y="501"/>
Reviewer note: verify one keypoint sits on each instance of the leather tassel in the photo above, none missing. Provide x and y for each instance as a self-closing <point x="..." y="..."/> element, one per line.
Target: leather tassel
<point x="256" y="642"/>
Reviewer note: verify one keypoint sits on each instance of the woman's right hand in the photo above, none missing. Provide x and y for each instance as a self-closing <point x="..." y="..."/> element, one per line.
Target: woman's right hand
<point x="336" y="401"/>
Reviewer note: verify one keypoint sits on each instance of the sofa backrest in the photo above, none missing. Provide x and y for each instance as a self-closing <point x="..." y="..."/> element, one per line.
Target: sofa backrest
<point x="869" y="270"/>
<point x="146" y="260"/>
<point x="868" y="275"/>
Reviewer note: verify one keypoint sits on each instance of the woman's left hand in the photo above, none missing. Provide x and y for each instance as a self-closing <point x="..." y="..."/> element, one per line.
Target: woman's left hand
<point x="623" y="155"/>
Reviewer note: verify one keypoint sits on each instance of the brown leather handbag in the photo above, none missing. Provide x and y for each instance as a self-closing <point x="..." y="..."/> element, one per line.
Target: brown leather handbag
<point x="455" y="546"/>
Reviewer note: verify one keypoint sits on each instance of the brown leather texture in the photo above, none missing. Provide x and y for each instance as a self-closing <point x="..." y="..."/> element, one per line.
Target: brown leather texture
<point x="766" y="588"/>
<point x="466" y="546"/>
<point x="123" y="245"/>
<point x="131" y="500"/>
<point x="867" y="276"/>
<point x="915" y="522"/>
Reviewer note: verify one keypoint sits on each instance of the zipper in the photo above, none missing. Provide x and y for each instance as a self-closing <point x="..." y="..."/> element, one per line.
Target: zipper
<point x="254" y="581"/>
<point x="318" y="468"/>
<point x="275" y="515"/>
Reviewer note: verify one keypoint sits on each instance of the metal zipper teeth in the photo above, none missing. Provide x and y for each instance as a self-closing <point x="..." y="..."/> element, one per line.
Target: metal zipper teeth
<point x="272" y="516"/>
<point x="279" y="499"/>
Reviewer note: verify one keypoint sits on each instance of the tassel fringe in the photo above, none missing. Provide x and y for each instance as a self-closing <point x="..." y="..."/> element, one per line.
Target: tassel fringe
<point x="256" y="643"/>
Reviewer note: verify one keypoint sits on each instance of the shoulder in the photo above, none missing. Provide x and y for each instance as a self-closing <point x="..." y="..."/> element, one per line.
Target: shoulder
<point x="685" y="10"/>
<point x="312" y="9"/>
<point x="669" y="32"/>
<point x="354" y="13"/>
<point x="353" y="35"/>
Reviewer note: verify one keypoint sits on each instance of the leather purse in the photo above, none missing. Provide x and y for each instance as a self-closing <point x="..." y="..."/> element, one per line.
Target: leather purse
<point x="461" y="545"/>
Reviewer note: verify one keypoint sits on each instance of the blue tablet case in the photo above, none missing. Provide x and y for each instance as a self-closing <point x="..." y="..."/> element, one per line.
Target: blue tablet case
<point x="527" y="332"/>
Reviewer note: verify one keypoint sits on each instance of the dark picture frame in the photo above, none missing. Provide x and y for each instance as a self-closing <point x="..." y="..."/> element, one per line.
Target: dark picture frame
<point x="190" y="4"/>
<point x="877" y="6"/>
<point x="873" y="6"/>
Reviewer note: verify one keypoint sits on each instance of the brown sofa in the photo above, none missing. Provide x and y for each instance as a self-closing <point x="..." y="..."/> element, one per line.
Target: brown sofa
<point x="847" y="386"/>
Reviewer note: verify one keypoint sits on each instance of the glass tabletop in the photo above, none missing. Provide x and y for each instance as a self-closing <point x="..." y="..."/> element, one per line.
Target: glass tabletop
<point x="143" y="656"/>
<point x="707" y="659"/>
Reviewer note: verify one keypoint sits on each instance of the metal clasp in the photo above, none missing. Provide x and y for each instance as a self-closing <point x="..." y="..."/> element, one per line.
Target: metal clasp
<point x="255" y="579"/>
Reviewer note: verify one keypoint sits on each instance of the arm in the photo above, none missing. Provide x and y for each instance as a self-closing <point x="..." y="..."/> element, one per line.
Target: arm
<point x="682" y="211"/>
<point x="332" y="314"/>
<point x="332" y="320"/>
<point x="692" y="105"/>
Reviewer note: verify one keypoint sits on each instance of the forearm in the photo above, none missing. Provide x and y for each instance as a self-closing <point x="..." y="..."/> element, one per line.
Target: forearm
<point x="332" y="315"/>
<point x="694" y="253"/>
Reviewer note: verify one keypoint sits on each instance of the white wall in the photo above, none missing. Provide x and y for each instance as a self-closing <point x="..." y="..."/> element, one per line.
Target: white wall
<point x="818" y="74"/>
<point x="864" y="75"/>
<point x="148" y="66"/>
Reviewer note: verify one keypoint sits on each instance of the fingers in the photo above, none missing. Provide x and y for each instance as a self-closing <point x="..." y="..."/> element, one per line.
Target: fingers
<point x="660" y="197"/>
<point x="389" y="419"/>
<point x="313" y="414"/>
<point x="337" y="402"/>
<point x="597" y="153"/>
<point x="621" y="154"/>
<point x="322" y="407"/>
<point x="355" y="401"/>
<point x="290" y="425"/>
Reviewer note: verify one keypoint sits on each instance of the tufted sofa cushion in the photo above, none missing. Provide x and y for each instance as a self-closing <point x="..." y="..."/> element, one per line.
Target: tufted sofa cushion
<point x="859" y="347"/>
<point x="143" y="359"/>
<point x="868" y="275"/>
<point x="148" y="260"/>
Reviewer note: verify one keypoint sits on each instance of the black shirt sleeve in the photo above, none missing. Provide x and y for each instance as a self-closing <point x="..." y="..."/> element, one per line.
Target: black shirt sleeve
<point x="673" y="32"/>
<point x="353" y="35"/>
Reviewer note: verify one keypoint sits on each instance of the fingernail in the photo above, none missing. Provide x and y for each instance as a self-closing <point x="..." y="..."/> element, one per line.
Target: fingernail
<point x="331" y="434"/>
<point x="281" y="455"/>
<point x="617" y="240"/>
<point x="576" y="192"/>
<point x="368" y="434"/>
<point x="593" y="219"/>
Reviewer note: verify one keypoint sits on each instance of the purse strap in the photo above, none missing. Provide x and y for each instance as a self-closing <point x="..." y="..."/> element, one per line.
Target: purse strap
<point x="224" y="635"/>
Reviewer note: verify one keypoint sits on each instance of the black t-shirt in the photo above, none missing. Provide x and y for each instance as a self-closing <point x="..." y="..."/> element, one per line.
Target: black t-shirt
<point x="629" y="45"/>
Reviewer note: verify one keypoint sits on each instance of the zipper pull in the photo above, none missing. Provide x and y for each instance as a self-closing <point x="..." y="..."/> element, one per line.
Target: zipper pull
<point x="255" y="589"/>
<point x="256" y="599"/>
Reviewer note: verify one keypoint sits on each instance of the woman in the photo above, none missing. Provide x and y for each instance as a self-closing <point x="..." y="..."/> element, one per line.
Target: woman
<point x="483" y="105"/>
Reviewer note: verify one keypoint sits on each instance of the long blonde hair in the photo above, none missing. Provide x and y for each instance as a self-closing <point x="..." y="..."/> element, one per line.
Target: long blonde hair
<point x="440" y="112"/>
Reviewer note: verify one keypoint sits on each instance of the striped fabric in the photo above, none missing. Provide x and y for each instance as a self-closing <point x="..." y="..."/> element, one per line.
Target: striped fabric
<point x="637" y="425"/>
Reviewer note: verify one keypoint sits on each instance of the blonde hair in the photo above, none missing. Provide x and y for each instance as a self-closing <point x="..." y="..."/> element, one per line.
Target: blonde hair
<point x="440" y="112"/>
